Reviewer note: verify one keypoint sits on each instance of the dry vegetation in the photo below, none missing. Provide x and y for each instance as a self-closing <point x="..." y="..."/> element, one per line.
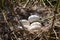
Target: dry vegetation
<point x="13" y="11"/>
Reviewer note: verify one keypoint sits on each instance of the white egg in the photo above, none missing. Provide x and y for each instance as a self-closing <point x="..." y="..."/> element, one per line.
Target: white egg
<point x="25" y="23"/>
<point x="33" y="18"/>
<point x="35" y="26"/>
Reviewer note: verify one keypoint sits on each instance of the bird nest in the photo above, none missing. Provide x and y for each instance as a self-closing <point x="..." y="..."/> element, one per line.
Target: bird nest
<point x="10" y="20"/>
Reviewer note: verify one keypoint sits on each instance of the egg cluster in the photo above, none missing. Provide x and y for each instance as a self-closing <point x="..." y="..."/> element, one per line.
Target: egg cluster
<point x="32" y="23"/>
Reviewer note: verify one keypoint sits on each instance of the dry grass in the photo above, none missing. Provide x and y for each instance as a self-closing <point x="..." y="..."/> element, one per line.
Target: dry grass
<point x="50" y="20"/>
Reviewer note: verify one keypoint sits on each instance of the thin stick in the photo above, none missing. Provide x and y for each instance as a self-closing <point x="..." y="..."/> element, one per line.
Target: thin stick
<point x="54" y="20"/>
<point x="50" y="3"/>
<point x="26" y="4"/>
<point x="44" y="3"/>
<point x="5" y="17"/>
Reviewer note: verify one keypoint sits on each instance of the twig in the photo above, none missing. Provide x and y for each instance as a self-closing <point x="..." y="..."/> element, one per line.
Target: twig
<point x="26" y="4"/>
<point x="55" y="34"/>
<point x="50" y="4"/>
<point x="44" y="3"/>
<point x="53" y="21"/>
<point x="5" y="18"/>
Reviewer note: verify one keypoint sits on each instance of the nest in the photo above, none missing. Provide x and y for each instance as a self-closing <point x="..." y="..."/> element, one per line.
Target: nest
<point x="9" y="20"/>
